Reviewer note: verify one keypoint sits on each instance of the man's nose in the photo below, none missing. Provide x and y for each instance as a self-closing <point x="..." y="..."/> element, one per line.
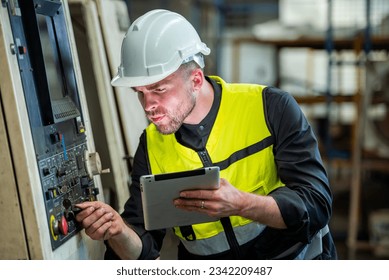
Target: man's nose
<point x="150" y="101"/>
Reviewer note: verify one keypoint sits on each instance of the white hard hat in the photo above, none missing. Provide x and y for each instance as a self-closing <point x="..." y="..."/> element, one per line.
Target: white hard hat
<point x="155" y="46"/>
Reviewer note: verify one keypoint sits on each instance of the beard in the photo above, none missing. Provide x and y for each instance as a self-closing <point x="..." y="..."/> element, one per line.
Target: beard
<point x="177" y="115"/>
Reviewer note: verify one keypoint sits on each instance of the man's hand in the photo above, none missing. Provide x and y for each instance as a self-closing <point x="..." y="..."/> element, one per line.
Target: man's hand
<point x="223" y="202"/>
<point x="102" y="222"/>
<point x="229" y="201"/>
<point x="99" y="220"/>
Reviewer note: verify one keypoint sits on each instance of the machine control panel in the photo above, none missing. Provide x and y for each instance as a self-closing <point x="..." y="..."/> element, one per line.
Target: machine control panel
<point x="65" y="182"/>
<point x="45" y="59"/>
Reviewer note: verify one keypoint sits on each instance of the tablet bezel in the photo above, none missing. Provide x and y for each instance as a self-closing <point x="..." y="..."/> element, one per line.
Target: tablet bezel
<point x="158" y="192"/>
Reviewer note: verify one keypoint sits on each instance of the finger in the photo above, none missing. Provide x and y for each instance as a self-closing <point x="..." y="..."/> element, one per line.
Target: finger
<point x="101" y="233"/>
<point x="99" y="221"/>
<point x="191" y="204"/>
<point x="80" y="208"/>
<point x="86" y="204"/>
<point x="107" y="217"/>
<point x="90" y="215"/>
<point x="197" y="194"/>
<point x="86" y="212"/>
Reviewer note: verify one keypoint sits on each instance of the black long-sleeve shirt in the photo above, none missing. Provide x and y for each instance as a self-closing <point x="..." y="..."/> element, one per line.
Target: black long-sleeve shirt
<point x="305" y="202"/>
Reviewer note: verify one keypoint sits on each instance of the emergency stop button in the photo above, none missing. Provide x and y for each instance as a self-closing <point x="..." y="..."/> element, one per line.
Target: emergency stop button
<point x="63" y="226"/>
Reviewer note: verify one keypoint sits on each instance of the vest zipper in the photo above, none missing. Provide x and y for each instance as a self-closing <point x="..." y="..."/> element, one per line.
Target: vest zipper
<point x="225" y="221"/>
<point x="204" y="157"/>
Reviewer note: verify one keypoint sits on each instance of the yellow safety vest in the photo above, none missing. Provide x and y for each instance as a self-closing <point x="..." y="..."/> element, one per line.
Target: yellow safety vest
<point x="241" y="144"/>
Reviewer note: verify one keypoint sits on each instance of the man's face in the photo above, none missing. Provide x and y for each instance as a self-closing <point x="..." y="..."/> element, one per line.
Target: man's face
<point x="167" y="103"/>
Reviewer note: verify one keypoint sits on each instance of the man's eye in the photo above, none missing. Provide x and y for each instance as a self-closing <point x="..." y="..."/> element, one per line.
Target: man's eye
<point x="160" y="90"/>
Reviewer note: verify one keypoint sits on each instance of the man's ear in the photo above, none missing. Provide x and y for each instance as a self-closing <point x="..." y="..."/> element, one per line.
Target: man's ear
<point x="197" y="78"/>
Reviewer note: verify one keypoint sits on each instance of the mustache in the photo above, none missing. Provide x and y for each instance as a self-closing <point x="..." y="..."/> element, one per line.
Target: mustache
<point x="155" y="112"/>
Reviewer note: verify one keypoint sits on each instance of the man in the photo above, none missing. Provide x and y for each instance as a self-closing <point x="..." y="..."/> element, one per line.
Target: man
<point x="274" y="200"/>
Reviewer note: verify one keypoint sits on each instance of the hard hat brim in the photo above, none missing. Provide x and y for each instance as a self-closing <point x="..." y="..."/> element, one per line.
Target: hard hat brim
<point x="119" y="81"/>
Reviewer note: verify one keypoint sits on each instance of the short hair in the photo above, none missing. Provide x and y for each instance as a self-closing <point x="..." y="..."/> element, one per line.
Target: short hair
<point x="187" y="68"/>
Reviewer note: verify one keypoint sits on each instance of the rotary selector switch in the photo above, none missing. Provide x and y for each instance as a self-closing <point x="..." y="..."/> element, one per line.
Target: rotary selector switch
<point x="93" y="164"/>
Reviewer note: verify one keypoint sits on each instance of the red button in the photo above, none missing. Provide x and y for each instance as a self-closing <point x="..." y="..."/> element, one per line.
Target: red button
<point x="63" y="226"/>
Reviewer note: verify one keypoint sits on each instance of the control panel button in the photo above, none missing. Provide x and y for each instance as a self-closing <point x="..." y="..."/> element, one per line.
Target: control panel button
<point x="63" y="226"/>
<point x="55" y="137"/>
<point x="45" y="171"/>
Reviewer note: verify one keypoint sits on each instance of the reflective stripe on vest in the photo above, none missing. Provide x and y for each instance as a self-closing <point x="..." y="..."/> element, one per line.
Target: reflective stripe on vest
<point x="218" y="243"/>
<point x="311" y="250"/>
<point x="315" y="248"/>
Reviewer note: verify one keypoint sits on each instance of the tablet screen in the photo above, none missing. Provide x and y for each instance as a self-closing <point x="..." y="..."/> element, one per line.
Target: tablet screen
<point x="159" y="191"/>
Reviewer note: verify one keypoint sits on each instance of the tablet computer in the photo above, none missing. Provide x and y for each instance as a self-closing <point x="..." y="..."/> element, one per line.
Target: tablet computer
<point x="159" y="191"/>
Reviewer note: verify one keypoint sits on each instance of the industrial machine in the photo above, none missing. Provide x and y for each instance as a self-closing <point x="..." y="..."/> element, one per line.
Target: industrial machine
<point x="48" y="159"/>
<point x="116" y="115"/>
